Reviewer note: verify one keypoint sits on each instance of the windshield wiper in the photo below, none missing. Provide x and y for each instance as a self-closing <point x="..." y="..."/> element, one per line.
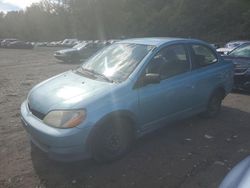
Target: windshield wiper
<point x="98" y="74"/>
<point x="102" y="75"/>
<point x="85" y="72"/>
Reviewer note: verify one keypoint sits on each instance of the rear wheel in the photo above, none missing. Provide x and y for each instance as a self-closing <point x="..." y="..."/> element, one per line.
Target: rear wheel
<point x="214" y="105"/>
<point x="111" y="141"/>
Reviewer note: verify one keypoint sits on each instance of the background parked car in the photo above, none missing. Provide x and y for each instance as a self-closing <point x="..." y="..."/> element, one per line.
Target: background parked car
<point x="69" y="42"/>
<point x="241" y="59"/>
<point x="92" y="48"/>
<point x="41" y="44"/>
<point x="19" y="45"/>
<point x="70" y="54"/>
<point x="55" y="44"/>
<point x="5" y="42"/>
<point x="81" y="51"/>
<point x="230" y="46"/>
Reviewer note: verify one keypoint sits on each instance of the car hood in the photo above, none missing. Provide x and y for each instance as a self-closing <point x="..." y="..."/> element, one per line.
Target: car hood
<point x="64" y="51"/>
<point x="66" y="91"/>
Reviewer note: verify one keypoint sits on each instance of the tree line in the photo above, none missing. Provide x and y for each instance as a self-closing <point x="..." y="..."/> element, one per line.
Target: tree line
<point x="50" y="20"/>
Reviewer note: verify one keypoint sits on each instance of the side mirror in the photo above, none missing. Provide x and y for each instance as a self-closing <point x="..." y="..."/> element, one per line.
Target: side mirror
<point x="152" y="78"/>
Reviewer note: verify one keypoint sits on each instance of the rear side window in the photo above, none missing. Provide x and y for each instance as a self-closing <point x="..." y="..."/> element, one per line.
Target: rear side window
<point x="202" y="56"/>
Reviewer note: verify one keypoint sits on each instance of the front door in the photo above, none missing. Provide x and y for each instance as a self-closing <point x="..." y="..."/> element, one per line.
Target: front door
<point x="165" y="100"/>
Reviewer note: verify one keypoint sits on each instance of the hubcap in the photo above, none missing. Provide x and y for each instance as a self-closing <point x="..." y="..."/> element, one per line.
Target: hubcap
<point x="113" y="142"/>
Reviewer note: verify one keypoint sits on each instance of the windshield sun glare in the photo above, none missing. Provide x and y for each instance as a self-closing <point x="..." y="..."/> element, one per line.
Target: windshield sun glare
<point x="117" y="61"/>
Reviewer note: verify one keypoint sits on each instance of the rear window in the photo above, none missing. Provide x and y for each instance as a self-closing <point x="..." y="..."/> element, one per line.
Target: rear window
<point x="202" y="56"/>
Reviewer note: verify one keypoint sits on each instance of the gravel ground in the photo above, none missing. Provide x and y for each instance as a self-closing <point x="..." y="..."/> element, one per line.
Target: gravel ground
<point x="191" y="153"/>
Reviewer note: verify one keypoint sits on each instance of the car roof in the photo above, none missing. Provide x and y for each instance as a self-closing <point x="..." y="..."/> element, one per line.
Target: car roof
<point x="156" y="41"/>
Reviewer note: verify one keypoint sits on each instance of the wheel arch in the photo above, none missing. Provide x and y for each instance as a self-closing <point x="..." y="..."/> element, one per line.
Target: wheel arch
<point x="219" y="89"/>
<point x="115" y="116"/>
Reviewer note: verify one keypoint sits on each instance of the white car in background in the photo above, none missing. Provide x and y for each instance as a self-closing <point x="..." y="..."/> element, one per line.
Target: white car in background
<point x="230" y="46"/>
<point x="70" y="42"/>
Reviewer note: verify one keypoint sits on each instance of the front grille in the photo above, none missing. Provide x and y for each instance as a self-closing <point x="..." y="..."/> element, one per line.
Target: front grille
<point x="36" y="113"/>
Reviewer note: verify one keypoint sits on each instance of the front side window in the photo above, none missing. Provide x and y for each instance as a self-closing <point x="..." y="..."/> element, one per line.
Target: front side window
<point x="170" y="61"/>
<point x="117" y="61"/>
<point x="202" y="56"/>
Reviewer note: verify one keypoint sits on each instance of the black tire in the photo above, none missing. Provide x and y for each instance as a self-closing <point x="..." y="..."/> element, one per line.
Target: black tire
<point x="213" y="106"/>
<point x="111" y="141"/>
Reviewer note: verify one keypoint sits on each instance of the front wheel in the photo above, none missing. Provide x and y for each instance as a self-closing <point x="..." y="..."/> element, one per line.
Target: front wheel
<point x="214" y="106"/>
<point x="111" y="141"/>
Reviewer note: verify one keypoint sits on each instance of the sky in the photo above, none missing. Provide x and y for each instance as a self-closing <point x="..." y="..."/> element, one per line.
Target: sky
<point x="8" y="5"/>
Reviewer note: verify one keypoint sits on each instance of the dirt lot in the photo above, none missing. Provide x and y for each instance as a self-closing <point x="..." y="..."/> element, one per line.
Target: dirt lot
<point x="192" y="153"/>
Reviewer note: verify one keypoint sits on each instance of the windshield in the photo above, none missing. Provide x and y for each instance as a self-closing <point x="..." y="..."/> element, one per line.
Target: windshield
<point x="242" y="51"/>
<point x="117" y="61"/>
<point x="234" y="44"/>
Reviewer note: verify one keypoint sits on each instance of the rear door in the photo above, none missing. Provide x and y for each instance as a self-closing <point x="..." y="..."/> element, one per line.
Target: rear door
<point x="207" y="73"/>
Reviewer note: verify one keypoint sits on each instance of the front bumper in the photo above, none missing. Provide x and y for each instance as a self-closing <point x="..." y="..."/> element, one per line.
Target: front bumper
<point x="61" y="57"/>
<point x="59" y="144"/>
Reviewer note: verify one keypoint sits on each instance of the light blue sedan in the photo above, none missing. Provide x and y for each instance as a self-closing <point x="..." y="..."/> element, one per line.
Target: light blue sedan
<point x="124" y="91"/>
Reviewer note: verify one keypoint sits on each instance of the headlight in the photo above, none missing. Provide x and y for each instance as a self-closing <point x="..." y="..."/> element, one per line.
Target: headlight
<point x="65" y="118"/>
